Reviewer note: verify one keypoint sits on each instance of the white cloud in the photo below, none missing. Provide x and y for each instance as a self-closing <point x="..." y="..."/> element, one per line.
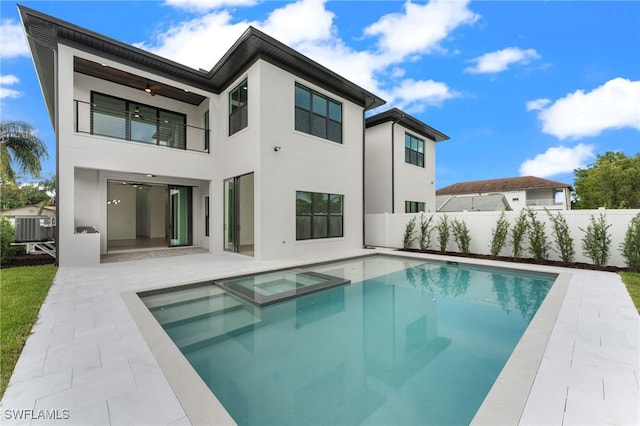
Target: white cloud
<point x="499" y="61"/>
<point x="416" y="95"/>
<point x="12" y="40"/>
<point x="204" y="5"/>
<point x="557" y="160"/>
<point x="184" y="42"/>
<point x="8" y="79"/>
<point x="300" y="22"/>
<point x="538" y="104"/>
<point x="6" y="92"/>
<point x="307" y="26"/>
<point x="614" y="105"/>
<point x="420" y="28"/>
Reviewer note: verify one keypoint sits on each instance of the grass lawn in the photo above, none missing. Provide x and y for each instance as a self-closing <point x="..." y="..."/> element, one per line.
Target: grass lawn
<point x="632" y="281"/>
<point x="22" y="291"/>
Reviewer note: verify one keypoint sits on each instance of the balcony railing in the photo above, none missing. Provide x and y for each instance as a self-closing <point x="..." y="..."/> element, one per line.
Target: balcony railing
<point x="134" y="126"/>
<point x="544" y="203"/>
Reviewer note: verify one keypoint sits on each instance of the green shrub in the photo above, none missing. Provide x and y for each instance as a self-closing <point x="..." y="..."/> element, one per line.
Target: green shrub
<point x="425" y="232"/>
<point x="444" y="232"/>
<point x="538" y="245"/>
<point x="499" y="235"/>
<point x="7" y="251"/>
<point x="409" y="234"/>
<point x="630" y="247"/>
<point x="597" y="241"/>
<point x="518" y="233"/>
<point x="563" y="240"/>
<point x="461" y="235"/>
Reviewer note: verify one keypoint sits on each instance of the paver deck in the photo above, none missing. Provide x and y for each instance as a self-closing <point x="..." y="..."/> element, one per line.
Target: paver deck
<point x="86" y="361"/>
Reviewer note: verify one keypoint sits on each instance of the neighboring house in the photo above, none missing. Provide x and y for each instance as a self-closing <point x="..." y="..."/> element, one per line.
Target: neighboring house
<point x="520" y="192"/>
<point x="400" y="163"/>
<point x="11" y="214"/>
<point x="262" y="155"/>
<point x="472" y="203"/>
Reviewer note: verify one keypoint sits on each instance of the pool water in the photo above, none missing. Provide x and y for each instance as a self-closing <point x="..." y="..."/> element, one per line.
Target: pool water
<point x="408" y="342"/>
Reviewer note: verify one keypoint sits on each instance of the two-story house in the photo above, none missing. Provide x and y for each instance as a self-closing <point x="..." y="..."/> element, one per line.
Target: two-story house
<point x="400" y="163"/>
<point x="262" y="155"/>
<point x="519" y="193"/>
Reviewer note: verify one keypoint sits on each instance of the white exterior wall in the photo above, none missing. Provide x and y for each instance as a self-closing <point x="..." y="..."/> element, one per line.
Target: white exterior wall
<point x="303" y="163"/>
<point x="414" y="183"/>
<point x="378" y="168"/>
<point x="387" y="230"/>
<point x="87" y="162"/>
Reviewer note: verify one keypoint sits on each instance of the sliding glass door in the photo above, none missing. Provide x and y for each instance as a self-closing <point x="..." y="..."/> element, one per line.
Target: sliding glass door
<point x="180" y="218"/>
<point x="238" y="214"/>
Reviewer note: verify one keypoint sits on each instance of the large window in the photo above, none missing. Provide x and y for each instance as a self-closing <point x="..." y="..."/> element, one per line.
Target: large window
<point x="123" y="119"/>
<point x="413" y="206"/>
<point x="318" y="215"/>
<point x="413" y="150"/>
<point x="238" y="110"/>
<point x="318" y="115"/>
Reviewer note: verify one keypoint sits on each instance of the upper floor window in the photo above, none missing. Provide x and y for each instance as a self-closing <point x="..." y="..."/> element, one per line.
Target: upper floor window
<point x="413" y="206"/>
<point x="238" y="111"/>
<point x="123" y="119"/>
<point x="206" y="131"/>
<point x="317" y="114"/>
<point x="413" y="150"/>
<point x="318" y="215"/>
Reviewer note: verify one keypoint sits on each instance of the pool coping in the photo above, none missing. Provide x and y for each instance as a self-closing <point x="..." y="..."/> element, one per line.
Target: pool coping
<point x="504" y="404"/>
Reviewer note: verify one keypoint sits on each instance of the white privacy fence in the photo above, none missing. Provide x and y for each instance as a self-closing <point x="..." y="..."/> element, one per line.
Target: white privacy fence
<point x="387" y="230"/>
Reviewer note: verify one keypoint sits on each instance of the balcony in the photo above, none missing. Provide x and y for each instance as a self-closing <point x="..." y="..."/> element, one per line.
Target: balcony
<point x="140" y="124"/>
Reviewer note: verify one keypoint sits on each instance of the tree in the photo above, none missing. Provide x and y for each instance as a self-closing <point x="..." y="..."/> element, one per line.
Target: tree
<point x="613" y="181"/>
<point x="19" y="147"/>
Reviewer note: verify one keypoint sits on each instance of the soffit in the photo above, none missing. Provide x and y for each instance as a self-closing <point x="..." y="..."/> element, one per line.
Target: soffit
<point x="397" y="116"/>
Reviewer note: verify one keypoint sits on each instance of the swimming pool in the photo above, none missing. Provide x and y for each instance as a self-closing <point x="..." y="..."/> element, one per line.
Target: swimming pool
<point x="408" y="342"/>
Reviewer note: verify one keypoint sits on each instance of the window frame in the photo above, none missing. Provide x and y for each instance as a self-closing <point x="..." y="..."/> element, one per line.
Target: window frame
<point x="128" y="115"/>
<point x="316" y="120"/>
<point x="414" y="150"/>
<point x="414" y="206"/>
<point x="241" y="111"/>
<point x="321" y="218"/>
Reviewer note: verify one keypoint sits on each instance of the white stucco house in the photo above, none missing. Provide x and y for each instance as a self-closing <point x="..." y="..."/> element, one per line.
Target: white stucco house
<point x="262" y="155"/>
<point x="520" y="192"/>
<point x="400" y="163"/>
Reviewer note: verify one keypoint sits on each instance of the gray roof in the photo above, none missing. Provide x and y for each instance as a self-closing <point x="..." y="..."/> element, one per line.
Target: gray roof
<point x="407" y="121"/>
<point x="44" y="32"/>
<point x="477" y="203"/>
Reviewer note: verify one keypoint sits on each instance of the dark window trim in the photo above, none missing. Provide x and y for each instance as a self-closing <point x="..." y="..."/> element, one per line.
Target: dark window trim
<point x="128" y="111"/>
<point x="311" y="113"/>
<point x="328" y="215"/>
<point x="414" y="206"/>
<point x="413" y="156"/>
<point x="242" y="109"/>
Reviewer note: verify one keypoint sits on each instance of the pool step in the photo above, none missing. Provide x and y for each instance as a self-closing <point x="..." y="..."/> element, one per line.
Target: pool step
<point x="196" y="304"/>
<point x="199" y="330"/>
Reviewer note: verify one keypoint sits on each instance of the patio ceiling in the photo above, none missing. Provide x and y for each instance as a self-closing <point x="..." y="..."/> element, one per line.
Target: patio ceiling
<point x="124" y="78"/>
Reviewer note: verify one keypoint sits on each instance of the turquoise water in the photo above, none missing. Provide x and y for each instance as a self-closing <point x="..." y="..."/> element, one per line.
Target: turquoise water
<point x="409" y="343"/>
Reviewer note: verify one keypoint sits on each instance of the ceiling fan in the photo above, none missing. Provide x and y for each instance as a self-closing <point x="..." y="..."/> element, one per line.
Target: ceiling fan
<point x="149" y="88"/>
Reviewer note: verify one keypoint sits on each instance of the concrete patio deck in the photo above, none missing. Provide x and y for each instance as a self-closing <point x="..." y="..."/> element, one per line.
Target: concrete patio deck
<point x="88" y="363"/>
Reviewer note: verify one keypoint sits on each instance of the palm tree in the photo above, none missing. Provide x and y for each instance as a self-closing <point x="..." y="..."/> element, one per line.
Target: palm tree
<point x="18" y="145"/>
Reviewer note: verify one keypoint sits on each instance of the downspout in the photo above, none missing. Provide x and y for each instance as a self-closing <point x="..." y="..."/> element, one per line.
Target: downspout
<point x="393" y="165"/>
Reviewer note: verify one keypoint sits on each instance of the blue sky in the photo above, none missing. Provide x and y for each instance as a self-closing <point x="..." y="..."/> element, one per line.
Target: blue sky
<point x="521" y="87"/>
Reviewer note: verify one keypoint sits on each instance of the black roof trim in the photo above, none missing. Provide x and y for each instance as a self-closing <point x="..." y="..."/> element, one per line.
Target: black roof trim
<point x="407" y="121"/>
